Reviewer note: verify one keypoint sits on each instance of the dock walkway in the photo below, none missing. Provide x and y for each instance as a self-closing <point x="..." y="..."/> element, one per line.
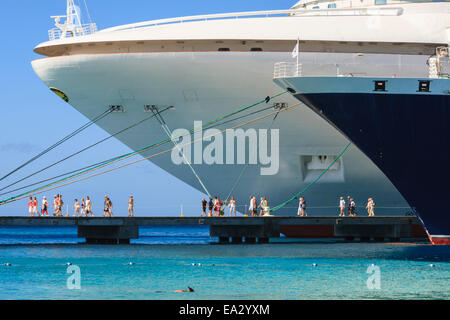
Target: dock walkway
<point x="119" y="230"/>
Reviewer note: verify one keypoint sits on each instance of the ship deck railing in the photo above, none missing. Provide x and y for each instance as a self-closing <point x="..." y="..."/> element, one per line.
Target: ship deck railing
<point x="287" y="70"/>
<point x="360" y="70"/>
<point x="357" y="11"/>
<point x="85" y="29"/>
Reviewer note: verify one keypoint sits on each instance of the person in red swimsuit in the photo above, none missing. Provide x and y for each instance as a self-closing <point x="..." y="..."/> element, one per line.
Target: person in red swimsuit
<point x="30" y="206"/>
<point x="35" y="205"/>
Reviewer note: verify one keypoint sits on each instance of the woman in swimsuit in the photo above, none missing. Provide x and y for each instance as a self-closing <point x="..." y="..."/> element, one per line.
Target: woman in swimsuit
<point x="218" y="207"/>
<point x="106" y="207"/>
<point x="30" y="206"/>
<point x="131" y="207"/>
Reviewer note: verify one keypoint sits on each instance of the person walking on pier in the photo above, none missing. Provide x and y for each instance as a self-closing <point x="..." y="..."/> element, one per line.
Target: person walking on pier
<point x="265" y="206"/>
<point x="342" y="207"/>
<point x="261" y="210"/>
<point x="89" y="207"/>
<point x="302" y="208"/>
<point x="204" y="205"/>
<point x="76" y="207"/>
<point x="370" y="207"/>
<point x="44" y="206"/>
<point x="349" y="207"/>
<point x="255" y="207"/>
<point x="210" y="207"/>
<point x="131" y="207"/>
<point x="106" y="206"/>
<point x="250" y="207"/>
<point x="83" y="207"/>
<point x="232" y="207"/>
<point x="352" y="207"/>
<point x="110" y="205"/>
<point x="60" y="204"/>
<point x="35" y="207"/>
<point x="55" y="206"/>
<point x="215" y="206"/>
<point x="303" y="205"/>
<point x="30" y="206"/>
<point x="218" y="207"/>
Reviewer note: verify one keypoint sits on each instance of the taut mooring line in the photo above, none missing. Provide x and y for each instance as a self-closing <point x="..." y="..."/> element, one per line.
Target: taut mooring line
<point x="82" y="128"/>
<point x="166" y="129"/>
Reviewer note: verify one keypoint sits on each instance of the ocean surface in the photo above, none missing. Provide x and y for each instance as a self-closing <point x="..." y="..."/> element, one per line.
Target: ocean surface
<point x="34" y="264"/>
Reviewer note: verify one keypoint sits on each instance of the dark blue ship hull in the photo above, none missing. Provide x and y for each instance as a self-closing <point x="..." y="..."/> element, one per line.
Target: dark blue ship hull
<point x="408" y="137"/>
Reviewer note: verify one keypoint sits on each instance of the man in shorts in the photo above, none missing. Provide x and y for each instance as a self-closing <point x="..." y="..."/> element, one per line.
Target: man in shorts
<point x="342" y="207"/>
<point x="44" y="206"/>
<point x="210" y="206"/>
<point x="89" y="207"/>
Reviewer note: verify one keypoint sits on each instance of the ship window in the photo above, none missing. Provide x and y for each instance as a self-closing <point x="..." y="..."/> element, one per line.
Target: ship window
<point x="424" y="86"/>
<point x="332" y="6"/>
<point x="380" y="85"/>
<point x="315" y="7"/>
<point x="224" y="49"/>
<point x="256" y="49"/>
<point x="380" y="1"/>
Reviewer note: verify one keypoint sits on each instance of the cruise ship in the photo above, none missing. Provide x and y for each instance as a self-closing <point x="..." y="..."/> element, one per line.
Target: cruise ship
<point x="203" y="67"/>
<point x="399" y="123"/>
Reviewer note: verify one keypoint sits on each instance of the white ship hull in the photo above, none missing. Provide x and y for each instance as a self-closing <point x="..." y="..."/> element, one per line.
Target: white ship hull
<point x="204" y="86"/>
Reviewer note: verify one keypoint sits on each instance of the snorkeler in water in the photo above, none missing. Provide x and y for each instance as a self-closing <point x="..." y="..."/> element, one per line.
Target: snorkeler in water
<point x="189" y="289"/>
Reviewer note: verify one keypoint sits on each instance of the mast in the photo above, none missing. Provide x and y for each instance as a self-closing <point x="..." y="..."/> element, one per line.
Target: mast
<point x="72" y="26"/>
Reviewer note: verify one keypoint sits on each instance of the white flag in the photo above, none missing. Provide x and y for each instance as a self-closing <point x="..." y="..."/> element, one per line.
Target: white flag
<point x="295" y="52"/>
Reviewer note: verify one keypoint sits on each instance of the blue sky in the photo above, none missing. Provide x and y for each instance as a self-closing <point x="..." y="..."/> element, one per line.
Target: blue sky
<point x="32" y="118"/>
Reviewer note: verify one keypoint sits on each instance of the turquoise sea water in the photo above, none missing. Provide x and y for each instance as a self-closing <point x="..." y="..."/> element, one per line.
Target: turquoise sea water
<point x="172" y="258"/>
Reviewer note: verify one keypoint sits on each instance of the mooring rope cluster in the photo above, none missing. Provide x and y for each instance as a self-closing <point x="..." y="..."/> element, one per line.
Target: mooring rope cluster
<point x="78" y="152"/>
<point x="69" y="136"/>
<point x="125" y="156"/>
<point x="52" y="185"/>
<point x="75" y="176"/>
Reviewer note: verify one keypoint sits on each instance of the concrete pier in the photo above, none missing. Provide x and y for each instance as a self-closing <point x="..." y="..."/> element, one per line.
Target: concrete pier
<point x="237" y="230"/>
<point x="108" y="234"/>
